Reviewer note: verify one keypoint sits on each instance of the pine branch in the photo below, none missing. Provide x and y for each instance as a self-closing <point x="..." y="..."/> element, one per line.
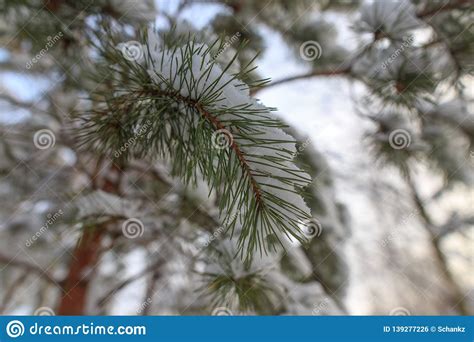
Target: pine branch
<point x="190" y="110"/>
<point x="217" y="126"/>
<point x="241" y="290"/>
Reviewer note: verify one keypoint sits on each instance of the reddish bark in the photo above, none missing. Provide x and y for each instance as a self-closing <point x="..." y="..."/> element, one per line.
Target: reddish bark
<point x="87" y="252"/>
<point x="84" y="259"/>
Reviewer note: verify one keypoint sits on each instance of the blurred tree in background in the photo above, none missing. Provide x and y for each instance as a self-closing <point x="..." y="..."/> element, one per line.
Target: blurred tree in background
<point x="141" y="175"/>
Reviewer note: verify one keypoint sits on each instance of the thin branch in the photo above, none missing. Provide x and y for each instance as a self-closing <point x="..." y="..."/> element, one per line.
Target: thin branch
<point x="455" y="223"/>
<point x="124" y="283"/>
<point x="10" y="291"/>
<point x="346" y="70"/>
<point x="8" y="261"/>
<point x="18" y="103"/>
<point x="315" y="73"/>
<point x="150" y="291"/>
<point x="441" y="258"/>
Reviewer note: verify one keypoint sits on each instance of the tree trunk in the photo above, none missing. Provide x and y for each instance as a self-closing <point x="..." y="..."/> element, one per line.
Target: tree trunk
<point x="83" y="260"/>
<point x="457" y="298"/>
<point x="87" y="253"/>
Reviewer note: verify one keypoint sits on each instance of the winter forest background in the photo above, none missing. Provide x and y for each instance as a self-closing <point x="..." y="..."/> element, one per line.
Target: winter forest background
<point x="141" y="172"/>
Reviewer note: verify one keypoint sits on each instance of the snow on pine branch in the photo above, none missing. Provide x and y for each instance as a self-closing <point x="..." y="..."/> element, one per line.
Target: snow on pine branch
<point x="204" y="120"/>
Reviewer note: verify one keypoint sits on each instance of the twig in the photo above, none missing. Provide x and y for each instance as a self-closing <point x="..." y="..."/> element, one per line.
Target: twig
<point x="8" y="261"/>
<point x="124" y="283"/>
<point x="455" y="290"/>
<point x="315" y="73"/>
<point x="150" y="291"/>
<point x="10" y="291"/>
